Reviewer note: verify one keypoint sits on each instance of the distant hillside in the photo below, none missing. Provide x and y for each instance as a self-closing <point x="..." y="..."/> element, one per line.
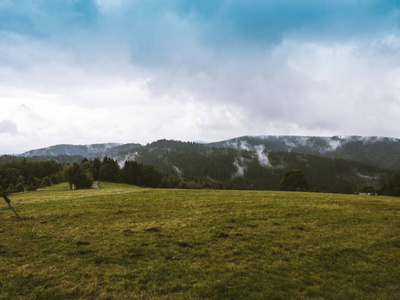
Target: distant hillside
<point x="63" y="159"/>
<point x="94" y="150"/>
<point x="246" y="169"/>
<point x="333" y="164"/>
<point x="379" y="151"/>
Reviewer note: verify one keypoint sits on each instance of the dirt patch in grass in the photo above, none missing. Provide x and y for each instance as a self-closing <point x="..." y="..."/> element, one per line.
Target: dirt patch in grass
<point x="153" y="229"/>
<point x="81" y="243"/>
<point x="223" y="235"/>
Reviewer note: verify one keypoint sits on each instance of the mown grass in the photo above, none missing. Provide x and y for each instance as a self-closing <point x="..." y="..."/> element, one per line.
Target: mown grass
<point x="125" y="242"/>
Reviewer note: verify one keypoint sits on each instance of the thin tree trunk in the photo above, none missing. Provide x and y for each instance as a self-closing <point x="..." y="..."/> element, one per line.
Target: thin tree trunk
<point x="9" y="204"/>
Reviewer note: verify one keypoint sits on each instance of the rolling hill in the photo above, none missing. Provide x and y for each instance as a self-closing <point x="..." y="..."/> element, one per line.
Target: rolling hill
<point x="333" y="164"/>
<point x="247" y="169"/>
<point x="379" y="151"/>
<point x="383" y="152"/>
<point x="93" y="150"/>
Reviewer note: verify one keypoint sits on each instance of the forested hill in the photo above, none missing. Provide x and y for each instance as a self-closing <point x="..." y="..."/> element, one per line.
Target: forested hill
<point x="256" y="162"/>
<point x="89" y="151"/>
<point x="379" y="151"/>
<point x="246" y="169"/>
<point x="63" y="159"/>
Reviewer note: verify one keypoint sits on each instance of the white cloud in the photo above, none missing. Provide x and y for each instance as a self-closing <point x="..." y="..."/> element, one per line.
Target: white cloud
<point x="140" y="71"/>
<point x="8" y="127"/>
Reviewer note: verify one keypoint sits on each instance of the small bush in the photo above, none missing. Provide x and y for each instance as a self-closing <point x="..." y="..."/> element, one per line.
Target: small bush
<point x="31" y="187"/>
<point x="11" y="189"/>
<point x="55" y="179"/>
<point x="87" y="181"/>
<point x="293" y="180"/>
<point x="46" y="181"/>
<point x="19" y="188"/>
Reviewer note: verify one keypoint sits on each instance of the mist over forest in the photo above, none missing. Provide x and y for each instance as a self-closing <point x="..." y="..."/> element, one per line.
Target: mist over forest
<point x="329" y="164"/>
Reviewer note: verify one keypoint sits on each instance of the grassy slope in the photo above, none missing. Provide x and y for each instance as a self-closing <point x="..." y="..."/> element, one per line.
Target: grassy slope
<point x="126" y="242"/>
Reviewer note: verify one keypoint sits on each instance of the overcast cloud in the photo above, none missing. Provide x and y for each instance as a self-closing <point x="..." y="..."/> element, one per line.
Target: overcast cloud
<point x="82" y="71"/>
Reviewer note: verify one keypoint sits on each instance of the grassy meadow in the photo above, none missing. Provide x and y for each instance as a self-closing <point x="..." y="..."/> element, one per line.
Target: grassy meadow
<point x="125" y="242"/>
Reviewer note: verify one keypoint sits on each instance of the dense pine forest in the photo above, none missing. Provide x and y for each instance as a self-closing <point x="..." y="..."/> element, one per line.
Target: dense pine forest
<point x="242" y="169"/>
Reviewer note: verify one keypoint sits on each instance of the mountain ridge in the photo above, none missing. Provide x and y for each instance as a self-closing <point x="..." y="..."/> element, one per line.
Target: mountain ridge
<point x="89" y="150"/>
<point x="334" y="164"/>
<point x="379" y="151"/>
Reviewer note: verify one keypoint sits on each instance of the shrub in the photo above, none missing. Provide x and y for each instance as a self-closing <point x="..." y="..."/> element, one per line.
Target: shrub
<point x="11" y="189"/>
<point x="46" y="181"/>
<point x="293" y="180"/>
<point x="55" y="179"/>
<point x="19" y="188"/>
<point x="31" y="187"/>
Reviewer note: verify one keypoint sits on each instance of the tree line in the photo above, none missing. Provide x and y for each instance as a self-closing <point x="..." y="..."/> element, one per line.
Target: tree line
<point x="84" y="174"/>
<point x="22" y="175"/>
<point x="314" y="173"/>
<point x="230" y="168"/>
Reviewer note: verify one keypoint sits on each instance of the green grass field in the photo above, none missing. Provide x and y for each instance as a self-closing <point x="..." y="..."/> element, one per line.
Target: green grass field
<point x="125" y="242"/>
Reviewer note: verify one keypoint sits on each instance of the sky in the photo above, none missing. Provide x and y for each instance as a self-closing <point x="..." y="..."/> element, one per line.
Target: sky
<point x="134" y="71"/>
